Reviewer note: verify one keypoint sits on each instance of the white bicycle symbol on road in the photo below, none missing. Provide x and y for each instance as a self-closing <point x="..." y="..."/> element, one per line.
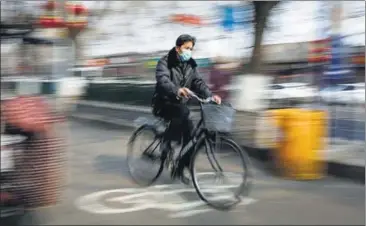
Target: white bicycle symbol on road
<point x="162" y="197"/>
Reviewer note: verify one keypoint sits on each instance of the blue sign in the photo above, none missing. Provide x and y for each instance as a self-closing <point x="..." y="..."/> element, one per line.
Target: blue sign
<point x="338" y="71"/>
<point x="233" y="16"/>
<point x="336" y="46"/>
<point x="228" y="18"/>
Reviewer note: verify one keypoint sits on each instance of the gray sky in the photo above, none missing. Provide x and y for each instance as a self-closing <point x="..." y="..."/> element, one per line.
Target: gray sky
<point x="137" y="29"/>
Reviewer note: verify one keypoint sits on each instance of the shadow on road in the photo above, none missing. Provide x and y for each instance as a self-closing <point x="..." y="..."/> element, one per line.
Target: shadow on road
<point x="117" y="165"/>
<point x="111" y="164"/>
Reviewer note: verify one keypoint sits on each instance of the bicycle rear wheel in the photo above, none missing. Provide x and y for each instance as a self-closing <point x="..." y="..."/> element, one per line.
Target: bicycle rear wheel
<point x="217" y="159"/>
<point x="148" y="165"/>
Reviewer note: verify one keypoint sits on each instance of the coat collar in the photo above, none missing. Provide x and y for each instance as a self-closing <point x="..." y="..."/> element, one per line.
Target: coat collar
<point x="173" y="59"/>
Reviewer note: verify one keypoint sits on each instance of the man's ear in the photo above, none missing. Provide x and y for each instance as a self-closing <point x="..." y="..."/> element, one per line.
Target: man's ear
<point x="177" y="49"/>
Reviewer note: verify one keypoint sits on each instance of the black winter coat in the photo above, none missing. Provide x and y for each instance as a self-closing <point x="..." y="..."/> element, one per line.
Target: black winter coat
<point x="172" y="74"/>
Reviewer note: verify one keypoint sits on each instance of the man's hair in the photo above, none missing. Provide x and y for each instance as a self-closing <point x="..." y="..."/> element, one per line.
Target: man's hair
<point x="185" y="38"/>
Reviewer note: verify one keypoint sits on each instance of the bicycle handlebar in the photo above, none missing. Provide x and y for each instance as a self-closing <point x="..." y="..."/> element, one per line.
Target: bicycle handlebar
<point x="205" y="101"/>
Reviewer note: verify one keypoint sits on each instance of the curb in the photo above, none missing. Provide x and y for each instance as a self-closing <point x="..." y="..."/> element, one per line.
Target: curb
<point x="337" y="169"/>
<point x="115" y="124"/>
<point x="352" y="172"/>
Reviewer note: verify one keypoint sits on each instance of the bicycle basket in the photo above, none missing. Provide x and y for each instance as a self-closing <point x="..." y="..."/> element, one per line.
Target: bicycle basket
<point x="218" y="118"/>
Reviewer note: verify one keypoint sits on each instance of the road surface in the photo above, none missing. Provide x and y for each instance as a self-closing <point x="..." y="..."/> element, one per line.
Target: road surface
<point x="99" y="191"/>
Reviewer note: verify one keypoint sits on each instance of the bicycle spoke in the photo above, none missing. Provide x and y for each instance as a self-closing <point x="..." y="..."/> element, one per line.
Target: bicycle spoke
<point x="148" y="148"/>
<point x="211" y="157"/>
<point x="150" y="153"/>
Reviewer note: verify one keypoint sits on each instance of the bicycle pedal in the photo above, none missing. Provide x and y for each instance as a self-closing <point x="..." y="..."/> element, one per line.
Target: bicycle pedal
<point x="173" y="170"/>
<point x="168" y="164"/>
<point x="164" y="154"/>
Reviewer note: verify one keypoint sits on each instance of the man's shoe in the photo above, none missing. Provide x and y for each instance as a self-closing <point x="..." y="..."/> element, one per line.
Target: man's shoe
<point x="180" y="174"/>
<point x="182" y="165"/>
<point x="185" y="180"/>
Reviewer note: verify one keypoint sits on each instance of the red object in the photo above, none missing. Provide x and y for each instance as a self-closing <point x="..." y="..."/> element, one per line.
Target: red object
<point x="317" y="59"/>
<point x="187" y="19"/>
<point x="58" y="22"/>
<point x="29" y="113"/>
<point x="320" y="50"/>
<point x="50" y="5"/>
<point x="41" y="167"/>
<point x="49" y="22"/>
<point x="45" y="22"/>
<point x="79" y="9"/>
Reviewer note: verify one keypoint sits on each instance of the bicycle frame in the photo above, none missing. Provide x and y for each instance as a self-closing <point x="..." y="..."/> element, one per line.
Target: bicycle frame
<point x="196" y="135"/>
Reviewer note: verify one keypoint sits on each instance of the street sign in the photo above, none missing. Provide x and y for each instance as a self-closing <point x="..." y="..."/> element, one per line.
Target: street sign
<point x="235" y="16"/>
<point x="228" y="17"/>
<point x="243" y="15"/>
<point x="338" y="70"/>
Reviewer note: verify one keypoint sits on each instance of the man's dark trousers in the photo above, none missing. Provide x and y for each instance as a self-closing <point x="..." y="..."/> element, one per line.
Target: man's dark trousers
<point x="181" y="125"/>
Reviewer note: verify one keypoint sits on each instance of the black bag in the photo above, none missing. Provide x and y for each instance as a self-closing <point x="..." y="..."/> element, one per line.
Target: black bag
<point x="156" y="104"/>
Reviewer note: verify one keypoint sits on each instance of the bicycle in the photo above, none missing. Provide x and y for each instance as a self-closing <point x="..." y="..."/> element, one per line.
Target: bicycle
<point x="205" y="135"/>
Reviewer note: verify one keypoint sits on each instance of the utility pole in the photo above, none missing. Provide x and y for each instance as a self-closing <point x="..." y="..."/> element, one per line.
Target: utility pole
<point x="337" y="69"/>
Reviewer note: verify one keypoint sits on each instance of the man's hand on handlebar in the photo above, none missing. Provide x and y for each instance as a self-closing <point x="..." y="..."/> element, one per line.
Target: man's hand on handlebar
<point x="184" y="92"/>
<point x="217" y="99"/>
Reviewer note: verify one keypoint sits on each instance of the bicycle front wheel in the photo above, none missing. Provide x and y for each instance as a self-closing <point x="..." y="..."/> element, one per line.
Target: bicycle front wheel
<point x="221" y="172"/>
<point x="144" y="159"/>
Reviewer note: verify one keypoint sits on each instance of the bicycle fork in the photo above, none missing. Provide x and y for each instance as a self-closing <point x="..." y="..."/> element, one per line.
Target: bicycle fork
<point x="211" y="156"/>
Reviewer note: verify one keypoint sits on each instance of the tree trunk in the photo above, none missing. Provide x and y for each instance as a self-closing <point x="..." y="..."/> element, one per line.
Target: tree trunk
<point x="73" y="35"/>
<point x="262" y="10"/>
<point x="77" y="50"/>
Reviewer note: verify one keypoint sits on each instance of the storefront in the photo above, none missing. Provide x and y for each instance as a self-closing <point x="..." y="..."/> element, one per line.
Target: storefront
<point x="122" y="66"/>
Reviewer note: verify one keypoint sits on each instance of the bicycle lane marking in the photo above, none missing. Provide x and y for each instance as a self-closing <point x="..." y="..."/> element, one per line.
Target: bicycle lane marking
<point x="162" y="197"/>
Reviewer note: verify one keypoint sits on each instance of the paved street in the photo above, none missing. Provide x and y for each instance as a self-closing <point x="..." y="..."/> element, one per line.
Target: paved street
<point x="97" y="193"/>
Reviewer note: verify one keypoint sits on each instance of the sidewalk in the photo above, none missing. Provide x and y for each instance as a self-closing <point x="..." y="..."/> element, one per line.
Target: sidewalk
<point x="346" y="160"/>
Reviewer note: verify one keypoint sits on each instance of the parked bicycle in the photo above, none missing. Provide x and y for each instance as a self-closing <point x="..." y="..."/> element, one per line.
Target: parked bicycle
<point x="205" y="141"/>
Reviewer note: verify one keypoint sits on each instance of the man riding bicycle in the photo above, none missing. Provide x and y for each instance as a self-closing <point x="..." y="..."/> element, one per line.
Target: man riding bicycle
<point x="176" y="75"/>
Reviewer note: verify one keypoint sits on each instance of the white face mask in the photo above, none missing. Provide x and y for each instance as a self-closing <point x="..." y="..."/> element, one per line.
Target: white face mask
<point x="185" y="55"/>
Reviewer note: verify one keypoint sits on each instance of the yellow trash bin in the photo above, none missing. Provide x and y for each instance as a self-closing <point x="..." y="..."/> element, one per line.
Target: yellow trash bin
<point x="299" y="151"/>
